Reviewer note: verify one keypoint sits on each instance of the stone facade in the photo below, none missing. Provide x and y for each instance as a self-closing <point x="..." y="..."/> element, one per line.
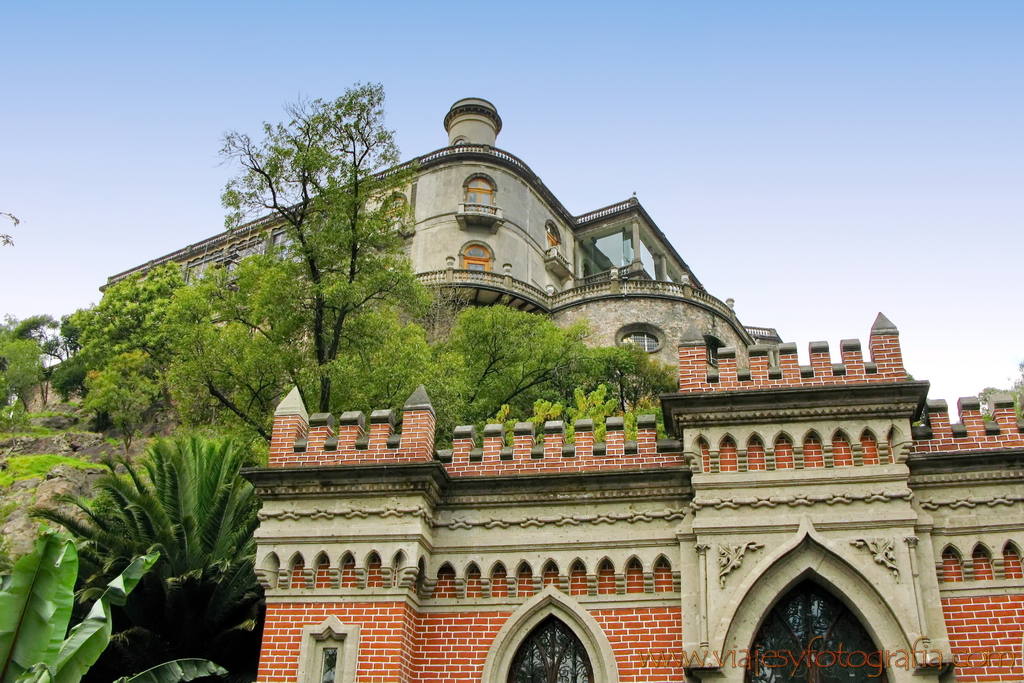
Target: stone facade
<point x="663" y="558"/>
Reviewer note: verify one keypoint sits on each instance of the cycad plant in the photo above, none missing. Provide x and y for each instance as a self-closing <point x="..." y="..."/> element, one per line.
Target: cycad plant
<point x="186" y="500"/>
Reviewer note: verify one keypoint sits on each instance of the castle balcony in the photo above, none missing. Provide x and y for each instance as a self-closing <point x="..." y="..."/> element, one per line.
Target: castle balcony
<point x="557" y="264"/>
<point x="479" y="215"/>
<point x="487" y="288"/>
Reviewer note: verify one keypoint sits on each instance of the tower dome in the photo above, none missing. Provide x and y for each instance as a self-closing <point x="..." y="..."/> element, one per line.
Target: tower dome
<point x="472" y="121"/>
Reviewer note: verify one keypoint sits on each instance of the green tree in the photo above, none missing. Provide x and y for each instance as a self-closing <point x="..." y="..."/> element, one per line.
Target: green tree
<point x="130" y="317"/>
<point x="201" y="599"/>
<point x="632" y="375"/>
<point x="497" y="356"/>
<point x="300" y="315"/>
<point x="124" y="390"/>
<point x="21" y="369"/>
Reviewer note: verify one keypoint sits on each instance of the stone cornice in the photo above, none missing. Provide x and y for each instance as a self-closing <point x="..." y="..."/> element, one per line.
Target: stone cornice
<point x="891" y="400"/>
<point x="967" y="465"/>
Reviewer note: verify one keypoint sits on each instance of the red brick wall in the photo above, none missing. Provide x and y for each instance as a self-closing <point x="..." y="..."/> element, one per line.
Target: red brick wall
<point x="398" y="643"/>
<point x="885" y="354"/>
<point x="942" y="438"/>
<point x="986" y="624"/>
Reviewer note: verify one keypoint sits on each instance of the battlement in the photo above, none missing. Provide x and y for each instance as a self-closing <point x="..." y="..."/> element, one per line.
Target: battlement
<point x="774" y="367"/>
<point x="314" y="440"/>
<point x="936" y="433"/>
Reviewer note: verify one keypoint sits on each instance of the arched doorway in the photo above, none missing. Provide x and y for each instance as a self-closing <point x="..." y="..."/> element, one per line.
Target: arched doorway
<point x="812" y="637"/>
<point x="552" y="653"/>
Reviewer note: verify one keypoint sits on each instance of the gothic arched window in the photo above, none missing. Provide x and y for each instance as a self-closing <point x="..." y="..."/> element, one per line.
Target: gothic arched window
<point x="811" y="637"/>
<point x="552" y="653"/>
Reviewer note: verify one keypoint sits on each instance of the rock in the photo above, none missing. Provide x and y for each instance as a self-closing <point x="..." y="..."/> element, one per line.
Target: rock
<point x="55" y="422"/>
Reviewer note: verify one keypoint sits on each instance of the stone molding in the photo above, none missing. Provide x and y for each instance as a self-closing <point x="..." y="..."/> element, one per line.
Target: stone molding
<point x="808" y="500"/>
<point x="631" y="517"/>
<point x="971" y="502"/>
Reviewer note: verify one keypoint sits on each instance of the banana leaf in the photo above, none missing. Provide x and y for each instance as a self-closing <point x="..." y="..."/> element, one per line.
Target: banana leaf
<point x="177" y="671"/>
<point x="88" y="639"/>
<point x="35" y="607"/>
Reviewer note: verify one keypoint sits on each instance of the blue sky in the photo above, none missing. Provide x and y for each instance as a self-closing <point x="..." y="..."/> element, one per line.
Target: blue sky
<point x="816" y="161"/>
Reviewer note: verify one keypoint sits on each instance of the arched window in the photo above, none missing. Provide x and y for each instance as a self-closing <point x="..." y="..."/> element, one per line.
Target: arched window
<point x="479" y="191"/>
<point x="554" y="237"/>
<point x="476" y="257"/>
<point x="552" y="653"/>
<point x="810" y="620"/>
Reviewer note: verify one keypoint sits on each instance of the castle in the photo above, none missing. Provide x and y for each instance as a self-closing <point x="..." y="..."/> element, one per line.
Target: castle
<point x="486" y="227"/>
<point x="812" y="521"/>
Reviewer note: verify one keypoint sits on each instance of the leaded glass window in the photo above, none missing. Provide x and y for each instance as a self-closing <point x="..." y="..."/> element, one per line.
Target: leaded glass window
<point x="552" y="653"/>
<point x="811" y="637"/>
<point x="330" y="665"/>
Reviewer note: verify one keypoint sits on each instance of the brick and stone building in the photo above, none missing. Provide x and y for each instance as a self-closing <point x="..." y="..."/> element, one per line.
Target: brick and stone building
<point x="800" y="511"/>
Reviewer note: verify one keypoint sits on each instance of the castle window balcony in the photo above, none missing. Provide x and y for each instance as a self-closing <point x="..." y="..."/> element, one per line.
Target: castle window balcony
<point x="479" y="215"/>
<point x="557" y="264"/>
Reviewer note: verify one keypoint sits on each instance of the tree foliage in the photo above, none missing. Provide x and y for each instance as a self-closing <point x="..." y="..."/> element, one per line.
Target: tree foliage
<point x="187" y="501"/>
<point x="330" y="176"/>
<point x="124" y="390"/>
<point x="497" y="356"/>
<point x="36" y="604"/>
<point x="130" y="317"/>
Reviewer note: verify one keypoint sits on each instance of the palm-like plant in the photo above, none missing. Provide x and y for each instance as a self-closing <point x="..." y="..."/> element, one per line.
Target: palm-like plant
<point x="185" y="500"/>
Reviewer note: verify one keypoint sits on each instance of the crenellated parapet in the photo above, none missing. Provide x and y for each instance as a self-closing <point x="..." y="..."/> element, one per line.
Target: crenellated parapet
<point x="301" y="440"/>
<point x="973" y="432"/>
<point x="780" y="367"/>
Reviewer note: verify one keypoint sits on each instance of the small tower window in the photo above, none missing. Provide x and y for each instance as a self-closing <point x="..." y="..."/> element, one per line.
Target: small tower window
<point x="554" y="238"/>
<point x="479" y="191"/>
<point x="476" y="257"/>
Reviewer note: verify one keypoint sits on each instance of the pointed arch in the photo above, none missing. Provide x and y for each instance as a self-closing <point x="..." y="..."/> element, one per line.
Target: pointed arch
<point x="705" y="454"/>
<point x="814" y="456"/>
<point x="577" y="577"/>
<point x="421" y="574"/>
<point x="842" y="452"/>
<point x="550" y="573"/>
<point x="322" y="570"/>
<point x="869" y="447"/>
<point x="810" y="556"/>
<point x="499" y="581"/>
<point x="297" y="571"/>
<point x="524" y="580"/>
<point x="474" y="585"/>
<point x="374" y="575"/>
<point x="445" y="586"/>
<point x="547" y="603"/>
<point x="270" y="569"/>
<point x="663" y="582"/>
<point x="634" y="575"/>
<point x="1011" y="561"/>
<point x="605" y="577"/>
<point x="755" y="453"/>
<point x="398" y="564"/>
<point x="952" y="568"/>
<point x="783" y="451"/>
<point x="348" y="570"/>
<point x="727" y="459"/>
<point x="981" y="563"/>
